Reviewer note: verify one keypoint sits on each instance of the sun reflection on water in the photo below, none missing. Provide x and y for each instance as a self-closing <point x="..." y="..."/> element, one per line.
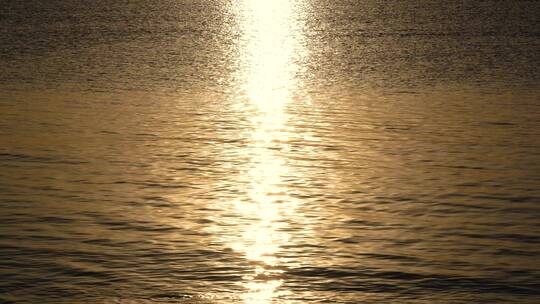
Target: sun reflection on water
<point x="269" y="53"/>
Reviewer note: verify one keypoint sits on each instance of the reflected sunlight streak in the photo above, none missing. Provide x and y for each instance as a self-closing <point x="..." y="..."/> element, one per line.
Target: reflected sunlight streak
<point x="269" y="50"/>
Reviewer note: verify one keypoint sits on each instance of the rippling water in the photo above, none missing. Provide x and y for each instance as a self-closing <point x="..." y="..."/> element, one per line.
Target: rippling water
<point x="286" y="151"/>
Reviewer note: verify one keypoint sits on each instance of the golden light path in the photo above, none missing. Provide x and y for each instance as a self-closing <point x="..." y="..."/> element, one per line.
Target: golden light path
<point x="271" y="49"/>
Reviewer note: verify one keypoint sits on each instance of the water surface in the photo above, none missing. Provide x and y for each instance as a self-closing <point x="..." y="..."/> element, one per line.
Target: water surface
<point x="301" y="151"/>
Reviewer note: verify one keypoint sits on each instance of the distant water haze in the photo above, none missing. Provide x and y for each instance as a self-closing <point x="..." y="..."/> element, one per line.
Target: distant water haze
<point x="260" y="152"/>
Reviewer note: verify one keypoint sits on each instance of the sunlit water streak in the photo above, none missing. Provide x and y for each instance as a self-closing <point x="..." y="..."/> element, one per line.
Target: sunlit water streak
<point x="269" y="52"/>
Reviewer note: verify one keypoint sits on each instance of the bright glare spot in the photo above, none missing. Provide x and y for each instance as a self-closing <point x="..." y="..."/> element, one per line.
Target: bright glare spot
<point x="270" y="51"/>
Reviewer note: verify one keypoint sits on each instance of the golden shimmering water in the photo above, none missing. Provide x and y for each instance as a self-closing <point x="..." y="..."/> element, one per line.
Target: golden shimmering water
<point x="263" y="152"/>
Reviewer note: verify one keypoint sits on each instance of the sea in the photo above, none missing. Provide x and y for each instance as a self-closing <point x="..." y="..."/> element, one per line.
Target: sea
<point x="269" y="151"/>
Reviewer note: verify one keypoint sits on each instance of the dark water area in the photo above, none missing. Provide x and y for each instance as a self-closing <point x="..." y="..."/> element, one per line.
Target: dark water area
<point x="301" y="151"/>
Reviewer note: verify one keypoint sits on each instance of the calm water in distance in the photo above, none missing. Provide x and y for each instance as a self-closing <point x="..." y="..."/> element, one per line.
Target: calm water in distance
<point x="259" y="152"/>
